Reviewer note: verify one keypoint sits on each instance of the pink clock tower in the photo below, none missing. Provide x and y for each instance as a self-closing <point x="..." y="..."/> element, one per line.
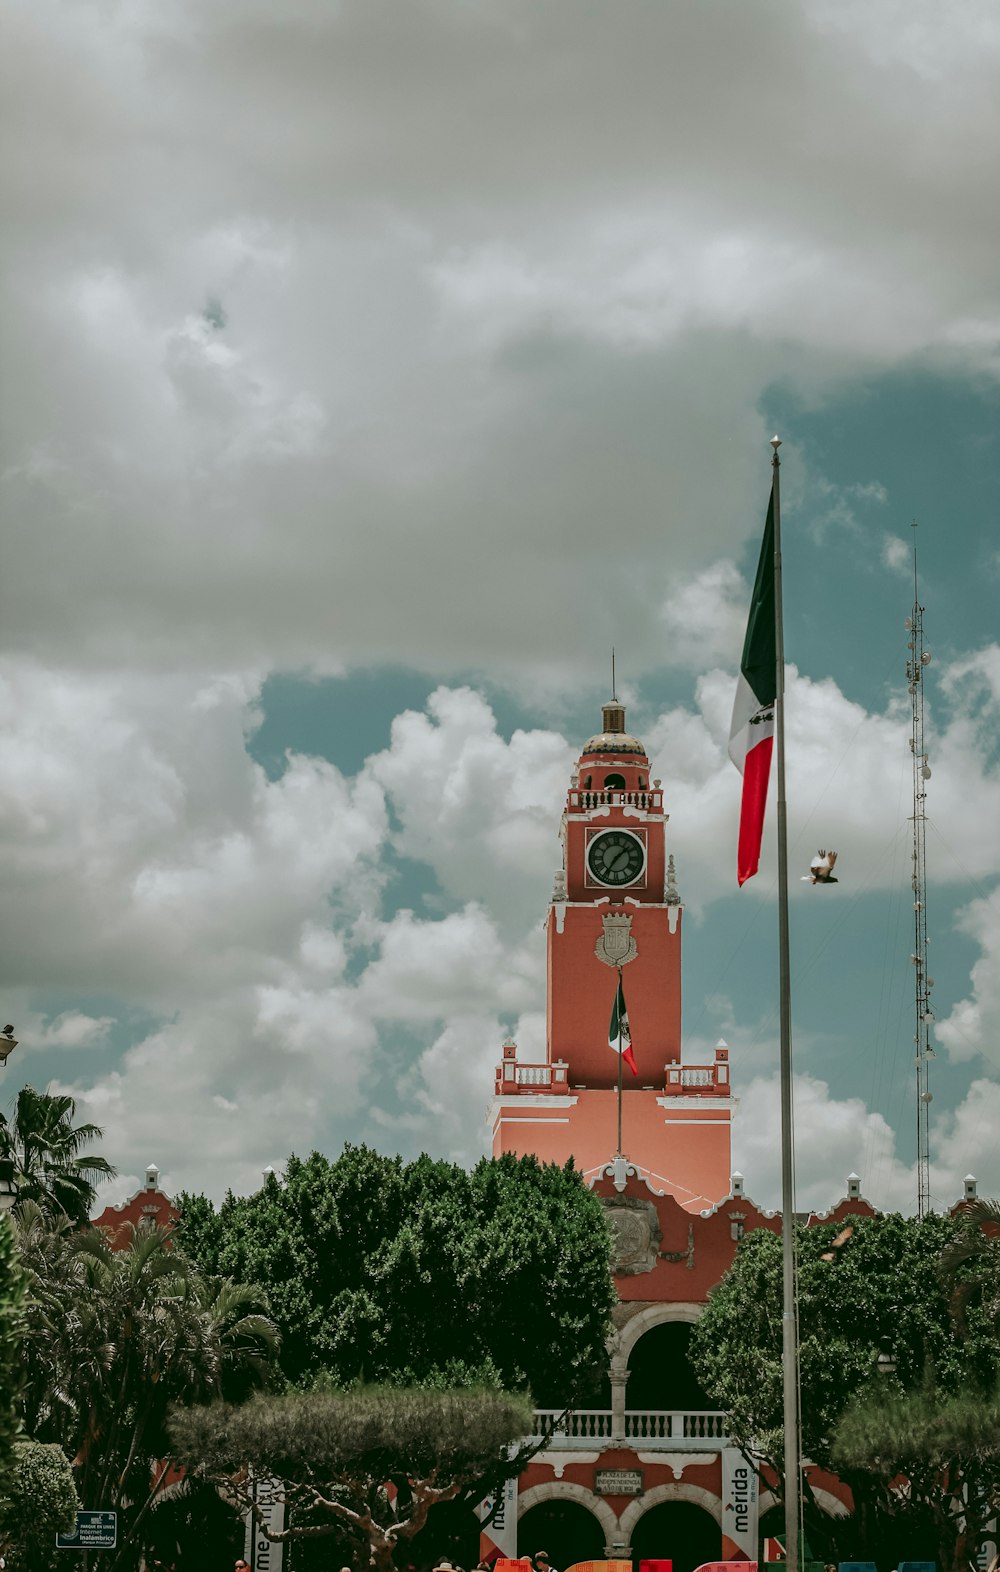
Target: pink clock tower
<point x="615" y="903"/>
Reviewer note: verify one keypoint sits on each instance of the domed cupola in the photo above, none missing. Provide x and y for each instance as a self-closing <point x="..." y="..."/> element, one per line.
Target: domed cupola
<point x="614" y="739"/>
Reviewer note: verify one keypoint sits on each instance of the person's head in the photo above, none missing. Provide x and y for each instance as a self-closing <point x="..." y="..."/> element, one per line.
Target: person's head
<point x="242" y="1566"/>
<point x="541" y="1560"/>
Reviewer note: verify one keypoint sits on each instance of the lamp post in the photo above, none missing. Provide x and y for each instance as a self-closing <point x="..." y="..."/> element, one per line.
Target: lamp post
<point x="8" y="1042"/>
<point x="8" y="1189"/>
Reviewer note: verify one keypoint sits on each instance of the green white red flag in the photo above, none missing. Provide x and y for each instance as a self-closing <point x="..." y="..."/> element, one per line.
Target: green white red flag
<point x="751" y="735"/>
<point x="619" y="1035"/>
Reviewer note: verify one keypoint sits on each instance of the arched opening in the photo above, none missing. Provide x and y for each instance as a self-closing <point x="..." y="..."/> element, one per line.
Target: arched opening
<point x="564" y="1529"/>
<point x="676" y="1531"/>
<point x="614" y="782"/>
<point x="659" y="1375"/>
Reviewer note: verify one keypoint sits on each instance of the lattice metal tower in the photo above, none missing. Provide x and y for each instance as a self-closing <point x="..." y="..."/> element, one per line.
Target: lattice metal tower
<point x="917" y="661"/>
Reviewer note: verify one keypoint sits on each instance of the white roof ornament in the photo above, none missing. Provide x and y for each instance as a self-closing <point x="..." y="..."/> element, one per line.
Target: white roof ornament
<point x="672" y="895"/>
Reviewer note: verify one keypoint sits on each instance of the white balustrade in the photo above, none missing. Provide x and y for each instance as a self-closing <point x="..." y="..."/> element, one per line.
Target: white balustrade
<point x="646" y="1429"/>
<point x="534" y="1075"/>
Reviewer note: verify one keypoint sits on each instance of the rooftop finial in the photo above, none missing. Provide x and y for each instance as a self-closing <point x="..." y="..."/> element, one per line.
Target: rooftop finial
<point x="614" y="686"/>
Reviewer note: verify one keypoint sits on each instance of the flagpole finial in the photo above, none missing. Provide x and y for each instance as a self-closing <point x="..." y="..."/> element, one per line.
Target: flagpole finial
<point x="776" y="443"/>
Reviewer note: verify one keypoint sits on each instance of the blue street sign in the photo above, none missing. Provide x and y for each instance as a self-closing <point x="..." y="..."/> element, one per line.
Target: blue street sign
<point x="94" y="1531"/>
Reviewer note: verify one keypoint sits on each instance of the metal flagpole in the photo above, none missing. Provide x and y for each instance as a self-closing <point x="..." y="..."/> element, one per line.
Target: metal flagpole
<point x="789" y="1315"/>
<point x="620" y="996"/>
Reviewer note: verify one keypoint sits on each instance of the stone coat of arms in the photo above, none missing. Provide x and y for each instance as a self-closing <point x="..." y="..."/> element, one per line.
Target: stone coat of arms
<point x="616" y="946"/>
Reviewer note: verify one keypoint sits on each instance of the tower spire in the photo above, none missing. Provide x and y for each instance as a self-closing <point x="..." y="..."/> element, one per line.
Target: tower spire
<point x="917" y="659"/>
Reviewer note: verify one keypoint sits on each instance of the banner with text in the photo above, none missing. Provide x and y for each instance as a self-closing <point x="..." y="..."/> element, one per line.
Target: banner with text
<point x="500" y="1536"/>
<point x="739" y="1504"/>
<point x="263" y="1554"/>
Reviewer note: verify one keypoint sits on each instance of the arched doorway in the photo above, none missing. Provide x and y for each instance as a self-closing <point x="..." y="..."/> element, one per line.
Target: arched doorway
<point x="565" y="1530"/>
<point x="659" y="1375"/>
<point x="676" y="1531"/>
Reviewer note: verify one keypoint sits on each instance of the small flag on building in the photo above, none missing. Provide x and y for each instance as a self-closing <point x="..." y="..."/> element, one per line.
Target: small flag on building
<point x="619" y="1036"/>
<point x="751" y="735"/>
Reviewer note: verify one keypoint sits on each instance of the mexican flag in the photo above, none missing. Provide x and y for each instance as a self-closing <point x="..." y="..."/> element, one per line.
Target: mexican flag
<point x="751" y="735"/>
<point x="619" y="1036"/>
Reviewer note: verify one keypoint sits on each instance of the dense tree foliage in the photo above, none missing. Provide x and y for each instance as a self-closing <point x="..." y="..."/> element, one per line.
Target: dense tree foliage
<point x="878" y="1291"/>
<point x="50" y="1166"/>
<point x="944" y="1438"/>
<point x="38" y="1501"/>
<point x="408" y="1273"/>
<point x="12" y="1286"/>
<point x="112" y="1338"/>
<point x="336" y="1452"/>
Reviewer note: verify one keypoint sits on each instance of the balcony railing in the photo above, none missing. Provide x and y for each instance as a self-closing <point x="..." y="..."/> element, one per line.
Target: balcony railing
<point x="646" y="1429"/>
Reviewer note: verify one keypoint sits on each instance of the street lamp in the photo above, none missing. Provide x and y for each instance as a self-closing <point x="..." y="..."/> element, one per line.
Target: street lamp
<point x="885" y="1365"/>
<point x="8" y="1042"/>
<point x="8" y="1189"/>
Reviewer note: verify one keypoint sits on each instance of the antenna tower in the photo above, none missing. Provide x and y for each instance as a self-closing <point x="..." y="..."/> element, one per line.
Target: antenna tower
<point x="917" y="660"/>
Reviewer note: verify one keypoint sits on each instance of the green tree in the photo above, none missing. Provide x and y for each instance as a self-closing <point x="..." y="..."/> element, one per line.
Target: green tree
<point x="112" y="1338"/>
<point x="946" y="1447"/>
<point x="12" y="1290"/>
<point x="878" y="1292"/>
<point x="51" y="1166"/>
<point x="336" y="1452"/>
<point x="393" y="1272"/>
<point x="944" y="1438"/>
<point x="38" y="1502"/>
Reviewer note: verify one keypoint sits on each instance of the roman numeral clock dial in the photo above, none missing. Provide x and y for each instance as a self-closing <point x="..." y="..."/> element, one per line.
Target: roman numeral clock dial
<point x="616" y="858"/>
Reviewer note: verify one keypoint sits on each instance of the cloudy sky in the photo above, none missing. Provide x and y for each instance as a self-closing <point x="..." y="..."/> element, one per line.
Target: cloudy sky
<point x="369" y="368"/>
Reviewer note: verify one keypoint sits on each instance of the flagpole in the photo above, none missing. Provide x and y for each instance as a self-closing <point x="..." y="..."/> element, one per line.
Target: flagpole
<point x="620" y="1056"/>
<point x="789" y="1317"/>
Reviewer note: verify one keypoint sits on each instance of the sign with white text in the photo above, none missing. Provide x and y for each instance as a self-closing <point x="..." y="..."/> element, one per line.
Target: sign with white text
<point x="618" y="1482"/>
<point x="93" y="1531"/>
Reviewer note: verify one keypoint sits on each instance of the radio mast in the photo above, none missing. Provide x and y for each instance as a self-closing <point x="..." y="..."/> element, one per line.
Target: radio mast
<point x="917" y="659"/>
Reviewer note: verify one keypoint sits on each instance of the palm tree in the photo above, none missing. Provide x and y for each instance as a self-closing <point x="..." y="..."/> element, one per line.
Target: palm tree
<point x="51" y="1166"/>
<point x="113" y="1338"/>
<point x="970" y="1264"/>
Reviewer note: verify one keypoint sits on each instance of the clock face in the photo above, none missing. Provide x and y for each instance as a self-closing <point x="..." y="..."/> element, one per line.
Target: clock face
<point x="616" y="857"/>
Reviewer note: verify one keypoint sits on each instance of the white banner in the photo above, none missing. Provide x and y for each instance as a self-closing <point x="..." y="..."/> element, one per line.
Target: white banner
<point x="503" y="1529"/>
<point x="739" y="1501"/>
<point x="262" y="1553"/>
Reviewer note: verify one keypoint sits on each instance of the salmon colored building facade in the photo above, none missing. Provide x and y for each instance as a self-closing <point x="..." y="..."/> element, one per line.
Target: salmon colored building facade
<point x="651" y="1473"/>
<point x="149" y="1207"/>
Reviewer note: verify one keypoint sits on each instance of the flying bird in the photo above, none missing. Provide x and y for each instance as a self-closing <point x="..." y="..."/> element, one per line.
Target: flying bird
<point x="821" y="869"/>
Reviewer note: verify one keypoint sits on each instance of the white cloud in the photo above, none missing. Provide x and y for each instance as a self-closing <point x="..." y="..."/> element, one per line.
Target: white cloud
<point x="834" y="1137"/>
<point x="897" y="555"/>
<point x="73" y="1029"/>
<point x="972" y="1029"/>
<point x="481" y="811"/>
<point x="473" y="333"/>
<point x="486" y="378"/>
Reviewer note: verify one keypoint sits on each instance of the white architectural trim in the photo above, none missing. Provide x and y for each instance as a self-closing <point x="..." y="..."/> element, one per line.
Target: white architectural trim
<point x="653" y="1315"/>
<point x="557" y="1461"/>
<point x="677" y="1462"/>
<point x="536" y="1100"/>
<point x="697" y="1122"/>
<point x="539" y="1119"/>
<point x="662" y="1493"/>
<point x="708" y="1102"/>
<point x="565" y="1490"/>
